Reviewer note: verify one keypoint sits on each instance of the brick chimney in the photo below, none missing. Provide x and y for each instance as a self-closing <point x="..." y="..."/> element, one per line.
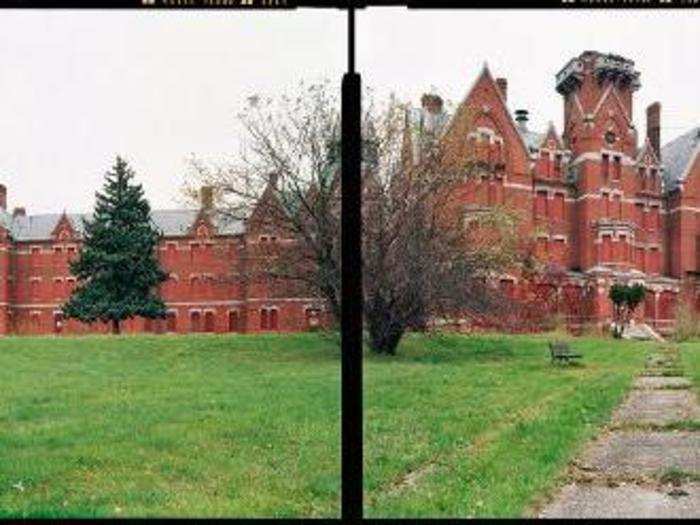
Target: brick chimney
<point x="19" y="211"/>
<point x="502" y="84"/>
<point x="431" y="103"/>
<point x="654" y="127"/>
<point x="3" y="197"/>
<point x="206" y="196"/>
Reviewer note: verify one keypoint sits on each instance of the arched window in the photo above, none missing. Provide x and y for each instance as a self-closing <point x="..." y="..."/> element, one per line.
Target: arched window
<point x="233" y="321"/>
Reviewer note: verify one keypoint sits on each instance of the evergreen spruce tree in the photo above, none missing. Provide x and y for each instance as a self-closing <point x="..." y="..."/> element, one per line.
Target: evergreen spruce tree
<point x="117" y="270"/>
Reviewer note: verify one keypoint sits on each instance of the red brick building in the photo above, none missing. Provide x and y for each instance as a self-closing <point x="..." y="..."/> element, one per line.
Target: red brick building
<point x="210" y="259"/>
<point x="602" y="201"/>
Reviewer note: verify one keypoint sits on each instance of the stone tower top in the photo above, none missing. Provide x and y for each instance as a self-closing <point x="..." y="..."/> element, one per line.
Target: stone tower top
<point x="603" y="67"/>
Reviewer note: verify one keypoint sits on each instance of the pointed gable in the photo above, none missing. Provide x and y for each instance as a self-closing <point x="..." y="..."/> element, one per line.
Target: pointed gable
<point x="484" y="107"/>
<point x="64" y="229"/>
<point x="552" y="140"/>
<point x="610" y="101"/>
<point x="203" y="226"/>
<point x="647" y="155"/>
<point x="611" y="114"/>
<point x="268" y="213"/>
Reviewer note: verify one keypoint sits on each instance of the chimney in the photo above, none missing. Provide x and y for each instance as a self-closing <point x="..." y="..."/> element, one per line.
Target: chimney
<point x="503" y="86"/>
<point x="19" y="211"/>
<point x="431" y="103"/>
<point x="654" y="127"/>
<point x="3" y="197"/>
<point x="521" y="117"/>
<point x="206" y="195"/>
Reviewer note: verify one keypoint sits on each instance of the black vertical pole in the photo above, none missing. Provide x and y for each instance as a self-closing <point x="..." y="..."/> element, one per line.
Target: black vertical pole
<point x="351" y="304"/>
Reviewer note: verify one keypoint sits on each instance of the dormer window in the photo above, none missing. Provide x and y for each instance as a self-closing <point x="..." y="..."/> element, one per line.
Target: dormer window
<point x="617" y="167"/>
<point x="610" y="138"/>
<point x="557" y="164"/>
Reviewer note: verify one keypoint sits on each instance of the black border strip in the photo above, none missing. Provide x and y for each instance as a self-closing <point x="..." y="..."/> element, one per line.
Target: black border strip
<point x="351" y="304"/>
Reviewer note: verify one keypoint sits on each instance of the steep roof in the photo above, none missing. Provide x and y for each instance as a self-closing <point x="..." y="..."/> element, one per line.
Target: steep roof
<point x="172" y="223"/>
<point x="533" y="140"/>
<point x="677" y="156"/>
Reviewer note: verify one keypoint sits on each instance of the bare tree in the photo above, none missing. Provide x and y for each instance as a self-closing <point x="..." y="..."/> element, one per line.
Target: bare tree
<point x="286" y="181"/>
<point x="425" y="256"/>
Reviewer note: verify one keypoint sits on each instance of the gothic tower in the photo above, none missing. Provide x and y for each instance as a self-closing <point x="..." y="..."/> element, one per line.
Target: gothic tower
<point x="617" y="198"/>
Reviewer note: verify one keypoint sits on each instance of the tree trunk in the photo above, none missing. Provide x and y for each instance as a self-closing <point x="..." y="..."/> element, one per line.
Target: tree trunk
<point x="384" y="338"/>
<point x="116" y="329"/>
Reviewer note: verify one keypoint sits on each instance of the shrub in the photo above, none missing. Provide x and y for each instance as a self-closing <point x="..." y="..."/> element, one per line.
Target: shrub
<point x="687" y="323"/>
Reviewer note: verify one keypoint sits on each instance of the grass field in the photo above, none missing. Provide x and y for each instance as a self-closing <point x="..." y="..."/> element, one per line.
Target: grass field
<point x="459" y="426"/>
<point x="690" y="356"/>
<point x="244" y="426"/>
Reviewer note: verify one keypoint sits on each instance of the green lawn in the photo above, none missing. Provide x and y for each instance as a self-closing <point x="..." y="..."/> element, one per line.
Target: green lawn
<point x="690" y="356"/>
<point x="459" y="426"/>
<point x="244" y="426"/>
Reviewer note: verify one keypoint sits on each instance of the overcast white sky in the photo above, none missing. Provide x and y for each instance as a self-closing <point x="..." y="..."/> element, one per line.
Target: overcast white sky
<point x="412" y="51"/>
<point x="76" y="88"/>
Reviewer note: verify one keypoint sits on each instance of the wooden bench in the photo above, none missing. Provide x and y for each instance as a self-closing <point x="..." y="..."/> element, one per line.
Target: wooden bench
<point x="560" y="352"/>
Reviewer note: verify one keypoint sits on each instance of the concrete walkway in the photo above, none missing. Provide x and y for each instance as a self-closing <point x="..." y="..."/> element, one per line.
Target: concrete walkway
<point x="646" y="464"/>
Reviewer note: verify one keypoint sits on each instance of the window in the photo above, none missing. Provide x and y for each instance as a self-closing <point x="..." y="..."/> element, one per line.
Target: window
<point x="58" y="287"/>
<point x="606" y="165"/>
<point x="640" y="262"/>
<point x="559" y="206"/>
<point x="312" y="317"/>
<point x="34" y="288"/>
<point x="559" y="251"/>
<point x="541" y="204"/>
<point x="617" y="168"/>
<point x="557" y="165"/>
<point x="491" y="193"/>
<point x="195" y="322"/>
<point x="622" y="252"/>
<point x="171" y="322"/>
<point x="617" y="210"/>
<point x="606" y="248"/>
<point x="654" y="266"/>
<point x="209" y="322"/>
<point x="544" y="163"/>
<point x="264" y="322"/>
<point x="507" y="288"/>
<point x="606" y="205"/>
<point x="57" y="249"/>
<point x="655" y="222"/>
<point x="57" y="322"/>
<point x="233" y="321"/>
<point x="273" y="319"/>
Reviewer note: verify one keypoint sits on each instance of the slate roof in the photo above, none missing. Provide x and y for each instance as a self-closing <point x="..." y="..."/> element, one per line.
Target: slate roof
<point x="532" y="139"/>
<point x="677" y="155"/>
<point x="172" y="223"/>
